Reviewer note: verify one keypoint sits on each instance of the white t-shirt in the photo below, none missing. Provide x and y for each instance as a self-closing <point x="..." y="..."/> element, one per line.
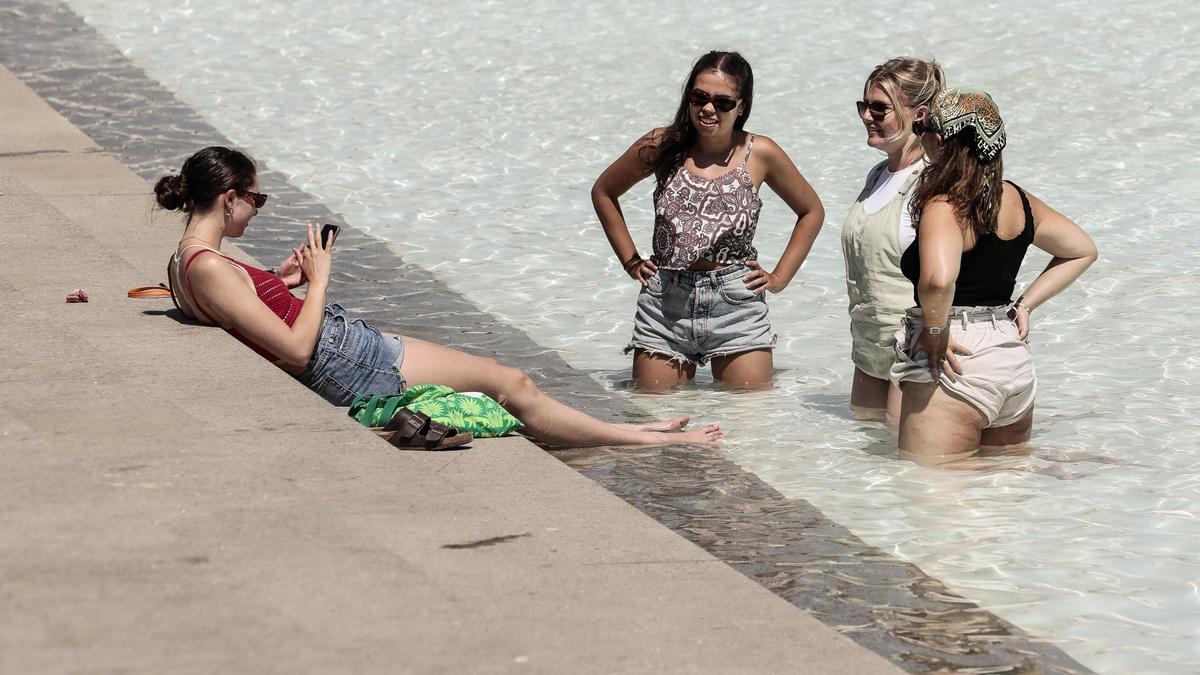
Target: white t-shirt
<point x="886" y="187"/>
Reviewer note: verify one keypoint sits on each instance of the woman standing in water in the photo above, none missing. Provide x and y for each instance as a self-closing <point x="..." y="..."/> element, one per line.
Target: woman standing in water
<point x="703" y="290"/>
<point x="879" y="226"/>
<point x="963" y="353"/>
<point x="333" y="354"/>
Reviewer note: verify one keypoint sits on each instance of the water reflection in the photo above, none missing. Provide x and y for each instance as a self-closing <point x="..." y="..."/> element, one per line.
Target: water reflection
<point x="790" y="548"/>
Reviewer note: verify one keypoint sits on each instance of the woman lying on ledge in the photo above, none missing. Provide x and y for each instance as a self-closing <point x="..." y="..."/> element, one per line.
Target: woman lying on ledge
<point x="334" y="355"/>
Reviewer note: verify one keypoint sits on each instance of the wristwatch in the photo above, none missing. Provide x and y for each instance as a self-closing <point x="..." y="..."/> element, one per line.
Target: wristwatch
<point x="937" y="330"/>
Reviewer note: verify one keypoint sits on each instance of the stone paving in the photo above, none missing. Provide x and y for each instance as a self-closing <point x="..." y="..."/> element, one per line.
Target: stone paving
<point x="174" y="503"/>
<point x="786" y="545"/>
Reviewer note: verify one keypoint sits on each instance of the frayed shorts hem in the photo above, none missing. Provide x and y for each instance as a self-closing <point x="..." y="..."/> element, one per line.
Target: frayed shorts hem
<point x="673" y="357"/>
<point x="692" y="316"/>
<point x="676" y="357"/>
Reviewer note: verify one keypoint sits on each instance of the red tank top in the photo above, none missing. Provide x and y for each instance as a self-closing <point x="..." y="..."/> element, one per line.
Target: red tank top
<point x="271" y="290"/>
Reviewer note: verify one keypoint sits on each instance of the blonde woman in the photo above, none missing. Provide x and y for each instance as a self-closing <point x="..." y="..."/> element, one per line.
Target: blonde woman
<point x="879" y="228"/>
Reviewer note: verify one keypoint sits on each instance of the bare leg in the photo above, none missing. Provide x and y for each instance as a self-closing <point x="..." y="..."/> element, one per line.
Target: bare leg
<point x="545" y="419"/>
<point x="656" y="373"/>
<point x="867" y="391"/>
<point x="868" y="396"/>
<point x="894" y="404"/>
<point x="1006" y="440"/>
<point x="873" y="399"/>
<point x="673" y="424"/>
<point x="935" y="427"/>
<point x="746" y="370"/>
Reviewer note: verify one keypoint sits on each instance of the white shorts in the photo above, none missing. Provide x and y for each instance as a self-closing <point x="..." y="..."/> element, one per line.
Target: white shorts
<point x="998" y="378"/>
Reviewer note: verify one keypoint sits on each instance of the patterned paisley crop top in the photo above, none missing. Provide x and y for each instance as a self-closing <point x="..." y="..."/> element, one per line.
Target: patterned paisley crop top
<point x="698" y="218"/>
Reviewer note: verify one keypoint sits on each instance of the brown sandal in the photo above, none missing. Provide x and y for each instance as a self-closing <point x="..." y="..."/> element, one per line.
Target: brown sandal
<point x="159" y="291"/>
<point x="409" y="429"/>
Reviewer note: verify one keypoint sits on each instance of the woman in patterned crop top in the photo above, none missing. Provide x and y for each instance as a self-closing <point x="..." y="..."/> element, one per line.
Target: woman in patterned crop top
<point x="703" y="295"/>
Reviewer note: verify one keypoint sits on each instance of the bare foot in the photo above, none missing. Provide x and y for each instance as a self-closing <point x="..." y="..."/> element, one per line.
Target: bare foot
<point x="709" y="434"/>
<point x="673" y="424"/>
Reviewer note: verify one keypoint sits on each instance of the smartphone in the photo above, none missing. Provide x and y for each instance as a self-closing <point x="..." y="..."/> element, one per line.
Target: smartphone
<point x="328" y="234"/>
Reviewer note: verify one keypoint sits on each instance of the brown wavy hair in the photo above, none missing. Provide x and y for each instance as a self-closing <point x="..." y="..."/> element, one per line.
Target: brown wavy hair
<point x="666" y="153"/>
<point x="973" y="187"/>
<point x="204" y="176"/>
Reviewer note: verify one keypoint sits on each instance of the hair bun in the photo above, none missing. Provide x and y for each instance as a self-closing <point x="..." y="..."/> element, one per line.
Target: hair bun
<point x="203" y="178"/>
<point x="171" y="192"/>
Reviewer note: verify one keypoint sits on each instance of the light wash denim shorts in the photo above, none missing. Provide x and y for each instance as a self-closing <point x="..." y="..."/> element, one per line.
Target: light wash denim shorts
<point x="696" y="316"/>
<point x="353" y="358"/>
<point x="998" y="378"/>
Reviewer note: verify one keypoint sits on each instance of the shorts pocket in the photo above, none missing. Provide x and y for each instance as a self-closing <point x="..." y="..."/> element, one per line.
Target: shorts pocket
<point x="333" y="391"/>
<point x="909" y="366"/>
<point x="735" y="292"/>
<point x="906" y="339"/>
<point x="656" y="286"/>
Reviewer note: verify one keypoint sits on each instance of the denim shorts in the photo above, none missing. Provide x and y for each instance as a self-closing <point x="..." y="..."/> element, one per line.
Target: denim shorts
<point x="997" y="379"/>
<point x="696" y="316"/>
<point x="353" y="358"/>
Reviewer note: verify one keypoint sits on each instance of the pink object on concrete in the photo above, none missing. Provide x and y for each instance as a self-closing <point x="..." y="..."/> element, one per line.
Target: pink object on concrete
<point x="77" y="295"/>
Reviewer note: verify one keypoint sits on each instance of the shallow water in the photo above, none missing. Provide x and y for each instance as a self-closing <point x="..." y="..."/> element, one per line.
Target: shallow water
<point x="469" y="135"/>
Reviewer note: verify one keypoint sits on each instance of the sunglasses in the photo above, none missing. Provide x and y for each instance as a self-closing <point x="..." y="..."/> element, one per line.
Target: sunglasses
<point x="721" y="103"/>
<point x="258" y="199"/>
<point x="878" y="109"/>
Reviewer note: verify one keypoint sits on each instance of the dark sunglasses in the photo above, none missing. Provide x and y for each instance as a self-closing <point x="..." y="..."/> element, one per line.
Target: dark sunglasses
<point x="257" y="198"/>
<point x="878" y="109"/>
<point x="721" y="103"/>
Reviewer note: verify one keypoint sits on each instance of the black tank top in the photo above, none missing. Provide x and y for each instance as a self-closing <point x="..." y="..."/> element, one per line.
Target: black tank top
<point x="988" y="272"/>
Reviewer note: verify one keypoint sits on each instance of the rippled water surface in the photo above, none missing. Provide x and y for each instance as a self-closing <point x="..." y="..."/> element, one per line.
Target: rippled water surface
<point x="469" y="135"/>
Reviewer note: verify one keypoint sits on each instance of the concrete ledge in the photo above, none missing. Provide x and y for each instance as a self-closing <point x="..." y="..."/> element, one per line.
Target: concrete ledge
<point x="173" y="502"/>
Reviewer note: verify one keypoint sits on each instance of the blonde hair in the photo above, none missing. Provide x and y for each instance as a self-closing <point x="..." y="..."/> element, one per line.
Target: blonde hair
<point x="909" y="83"/>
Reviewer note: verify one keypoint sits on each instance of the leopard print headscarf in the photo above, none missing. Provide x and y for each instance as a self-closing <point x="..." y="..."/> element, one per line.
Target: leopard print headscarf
<point x="957" y="109"/>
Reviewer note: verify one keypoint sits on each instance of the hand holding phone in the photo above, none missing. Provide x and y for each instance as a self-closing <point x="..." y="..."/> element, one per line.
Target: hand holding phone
<point x="329" y="233"/>
<point x="315" y="257"/>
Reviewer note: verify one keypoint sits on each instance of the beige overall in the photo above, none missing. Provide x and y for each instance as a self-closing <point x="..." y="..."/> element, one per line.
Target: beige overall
<point x="878" y="292"/>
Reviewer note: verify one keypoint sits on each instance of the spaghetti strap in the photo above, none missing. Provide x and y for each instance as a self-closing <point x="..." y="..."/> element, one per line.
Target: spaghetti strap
<point x="1029" y="225"/>
<point x="171" y="283"/>
<point x="182" y="271"/>
<point x="179" y="253"/>
<point x="744" y="167"/>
